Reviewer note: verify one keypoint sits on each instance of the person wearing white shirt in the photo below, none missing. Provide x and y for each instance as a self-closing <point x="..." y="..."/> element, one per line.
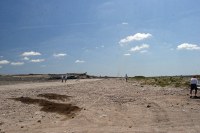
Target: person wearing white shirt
<point x="65" y="78"/>
<point x="193" y="85"/>
<point x="62" y="78"/>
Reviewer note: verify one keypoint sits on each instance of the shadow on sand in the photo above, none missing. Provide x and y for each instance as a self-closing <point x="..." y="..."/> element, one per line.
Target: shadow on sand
<point x="195" y="97"/>
<point x="68" y="110"/>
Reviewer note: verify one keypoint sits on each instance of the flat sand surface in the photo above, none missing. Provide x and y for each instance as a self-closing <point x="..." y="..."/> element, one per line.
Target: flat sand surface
<point x="97" y="106"/>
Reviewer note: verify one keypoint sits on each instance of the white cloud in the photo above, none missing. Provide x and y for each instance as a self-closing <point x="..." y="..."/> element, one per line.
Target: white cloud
<point x="124" y="23"/>
<point x="26" y="58"/>
<point x="100" y="46"/>
<point x="59" y="55"/>
<point x="143" y="51"/>
<point x="187" y="46"/>
<point x="37" y="60"/>
<point x="4" y="62"/>
<point x="17" y="63"/>
<point x="79" y="61"/>
<point x="31" y="53"/>
<point x="127" y="54"/>
<point x="140" y="48"/>
<point x="136" y="37"/>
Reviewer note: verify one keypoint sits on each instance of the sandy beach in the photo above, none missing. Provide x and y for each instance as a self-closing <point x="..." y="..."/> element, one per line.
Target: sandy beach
<point x="97" y="106"/>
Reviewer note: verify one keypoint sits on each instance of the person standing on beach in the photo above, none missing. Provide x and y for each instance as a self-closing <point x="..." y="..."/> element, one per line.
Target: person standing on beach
<point x="62" y="77"/>
<point x="126" y="77"/>
<point x="65" y="78"/>
<point x="193" y="86"/>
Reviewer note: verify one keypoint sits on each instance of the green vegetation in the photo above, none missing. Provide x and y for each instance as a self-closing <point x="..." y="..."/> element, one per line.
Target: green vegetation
<point x="139" y="77"/>
<point x="164" y="81"/>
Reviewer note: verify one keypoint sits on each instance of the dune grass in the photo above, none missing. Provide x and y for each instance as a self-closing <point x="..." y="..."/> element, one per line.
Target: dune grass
<point x="163" y="81"/>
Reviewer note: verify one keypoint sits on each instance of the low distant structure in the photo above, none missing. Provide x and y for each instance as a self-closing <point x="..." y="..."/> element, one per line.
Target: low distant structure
<point x="70" y="76"/>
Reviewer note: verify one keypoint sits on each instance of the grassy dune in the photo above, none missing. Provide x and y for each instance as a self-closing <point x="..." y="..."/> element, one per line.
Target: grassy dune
<point x="176" y="81"/>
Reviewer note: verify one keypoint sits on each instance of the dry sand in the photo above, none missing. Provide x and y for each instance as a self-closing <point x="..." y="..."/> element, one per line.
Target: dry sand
<point x="96" y="106"/>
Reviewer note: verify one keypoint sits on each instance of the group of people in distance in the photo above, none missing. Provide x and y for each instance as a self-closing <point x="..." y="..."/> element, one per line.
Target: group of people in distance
<point x="64" y="77"/>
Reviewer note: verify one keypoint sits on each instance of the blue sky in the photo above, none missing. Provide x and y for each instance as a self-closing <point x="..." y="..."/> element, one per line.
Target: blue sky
<point x="101" y="37"/>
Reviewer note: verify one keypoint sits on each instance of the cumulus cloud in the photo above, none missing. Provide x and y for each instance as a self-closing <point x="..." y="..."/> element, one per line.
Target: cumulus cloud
<point x="31" y="53"/>
<point x="17" y="63"/>
<point x="37" y="60"/>
<point x="59" y="55"/>
<point x="26" y="58"/>
<point x="187" y="46"/>
<point x="139" y="48"/>
<point x="127" y="54"/>
<point x="79" y="61"/>
<point x="136" y="37"/>
<point x="4" y="62"/>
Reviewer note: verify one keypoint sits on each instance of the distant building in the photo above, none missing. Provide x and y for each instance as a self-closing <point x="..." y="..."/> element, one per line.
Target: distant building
<point x="70" y="76"/>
